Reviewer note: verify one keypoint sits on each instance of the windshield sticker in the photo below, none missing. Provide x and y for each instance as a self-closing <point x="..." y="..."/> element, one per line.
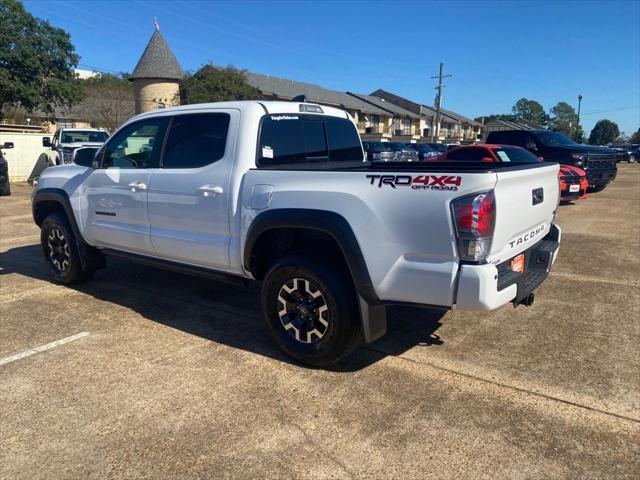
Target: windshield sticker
<point x="267" y="152"/>
<point x="419" y="182"/>
<point x="277" y="118"/>
<point x="503" y="156"/>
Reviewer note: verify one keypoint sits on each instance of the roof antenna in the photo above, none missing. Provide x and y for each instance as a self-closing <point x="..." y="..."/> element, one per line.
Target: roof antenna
<point x="156" y="24"/>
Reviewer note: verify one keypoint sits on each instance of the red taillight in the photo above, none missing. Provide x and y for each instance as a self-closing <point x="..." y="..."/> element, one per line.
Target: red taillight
<point x="475" y="218"/>
<point x="475" y="214"/>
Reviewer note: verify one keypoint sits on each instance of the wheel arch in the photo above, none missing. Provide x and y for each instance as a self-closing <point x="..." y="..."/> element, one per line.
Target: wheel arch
<point x="325" y="222"/>
<point x="50" y="200"/>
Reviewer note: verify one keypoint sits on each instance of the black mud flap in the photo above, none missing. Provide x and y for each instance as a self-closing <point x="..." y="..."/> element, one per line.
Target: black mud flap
<point x="374" y="320"/>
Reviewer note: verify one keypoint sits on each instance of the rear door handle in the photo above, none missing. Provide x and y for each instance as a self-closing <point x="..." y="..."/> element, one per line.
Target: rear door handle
<point x="137" y="186"/>
<point x="210" y="190"/>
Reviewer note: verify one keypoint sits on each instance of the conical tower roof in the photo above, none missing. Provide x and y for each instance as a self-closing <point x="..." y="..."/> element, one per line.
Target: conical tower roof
<point x="157" y="61"/>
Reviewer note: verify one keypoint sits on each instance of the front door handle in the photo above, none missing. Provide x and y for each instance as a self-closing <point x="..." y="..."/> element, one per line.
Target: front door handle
<point x="137" y="186"/>
<point x="210" y="190"/>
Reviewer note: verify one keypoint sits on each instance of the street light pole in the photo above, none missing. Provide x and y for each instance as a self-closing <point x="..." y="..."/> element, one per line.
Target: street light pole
<point x="578" y="119"/>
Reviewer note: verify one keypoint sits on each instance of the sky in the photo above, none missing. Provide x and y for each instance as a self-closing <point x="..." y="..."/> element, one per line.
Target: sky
<point x="497" y="52"/>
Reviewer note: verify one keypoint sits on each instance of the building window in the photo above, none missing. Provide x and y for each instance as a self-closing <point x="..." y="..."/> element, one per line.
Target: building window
<point x="406" y="130"/>
<point x="375" y="120"/>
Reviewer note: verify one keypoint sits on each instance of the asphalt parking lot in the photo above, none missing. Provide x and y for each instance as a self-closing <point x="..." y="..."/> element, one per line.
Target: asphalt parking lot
<point x="176" y="377"/>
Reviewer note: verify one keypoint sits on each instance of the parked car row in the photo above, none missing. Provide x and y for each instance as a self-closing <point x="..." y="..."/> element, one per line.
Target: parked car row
<point x="398" y="152"/>
<point x="573" y="180"/>
<point x="584" y="168"/>
<point x="599" y="163"/>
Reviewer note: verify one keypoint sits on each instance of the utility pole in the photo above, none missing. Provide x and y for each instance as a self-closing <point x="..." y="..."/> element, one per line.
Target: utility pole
<point x="439" y="88"/>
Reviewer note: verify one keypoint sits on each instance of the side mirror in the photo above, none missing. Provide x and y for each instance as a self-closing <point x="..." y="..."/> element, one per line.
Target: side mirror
<point x="7" y="145"/>
<point x="46" y="142"/>
<point x="97" y="159"/>
<point x="84" y="157"/>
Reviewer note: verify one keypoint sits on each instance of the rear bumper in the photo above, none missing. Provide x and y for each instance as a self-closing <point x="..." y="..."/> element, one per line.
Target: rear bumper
<point x="486" y="287"/>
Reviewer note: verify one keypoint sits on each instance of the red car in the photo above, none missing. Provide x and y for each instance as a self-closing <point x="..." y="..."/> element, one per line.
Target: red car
<point x="573" y="180"/>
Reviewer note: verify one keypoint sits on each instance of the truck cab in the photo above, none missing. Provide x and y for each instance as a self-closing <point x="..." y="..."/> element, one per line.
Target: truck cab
<point x="598" y="162"/>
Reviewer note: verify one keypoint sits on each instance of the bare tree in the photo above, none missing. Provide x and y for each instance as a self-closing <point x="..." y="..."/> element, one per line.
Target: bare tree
<point x="108" y="102"/>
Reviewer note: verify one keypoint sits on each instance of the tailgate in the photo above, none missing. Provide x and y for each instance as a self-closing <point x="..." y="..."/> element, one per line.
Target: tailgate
<point x="526" y="201"/>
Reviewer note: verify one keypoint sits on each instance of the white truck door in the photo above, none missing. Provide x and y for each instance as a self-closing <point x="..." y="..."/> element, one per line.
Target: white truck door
<point x="189" y="194"/>
<point x="116" y="192"/>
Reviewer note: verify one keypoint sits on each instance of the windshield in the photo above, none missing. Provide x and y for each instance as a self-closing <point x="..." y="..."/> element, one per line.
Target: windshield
<point x="554" y="139"/>
<point x="81" y="136"/>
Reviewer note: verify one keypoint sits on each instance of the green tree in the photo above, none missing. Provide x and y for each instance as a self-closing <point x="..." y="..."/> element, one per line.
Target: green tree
<point x="604" y="132"/>
<point x="530" y="111"/>
<point x="496" y="116"/>
<point x="36" y="62"/>
<point x="563" y="118"/>
<point x="216" y="84"/>
<point x="635" y="138"/>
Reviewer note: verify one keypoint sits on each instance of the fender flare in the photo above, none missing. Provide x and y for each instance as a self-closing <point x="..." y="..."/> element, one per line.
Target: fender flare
<point x="56" y="195"/>
<point x="89" y="256"/>
<point x="331" y="223"/>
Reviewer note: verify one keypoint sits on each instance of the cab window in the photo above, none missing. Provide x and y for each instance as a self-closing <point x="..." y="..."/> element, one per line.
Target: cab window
<point x="288" y="139"/>
<point x="137" y="145"/>
<point x="291" y="139"/>
<point x="196" y="140"/>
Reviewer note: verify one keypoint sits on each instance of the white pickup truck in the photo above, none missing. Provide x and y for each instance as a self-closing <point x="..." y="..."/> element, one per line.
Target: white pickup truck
<point x="279" y="192"/>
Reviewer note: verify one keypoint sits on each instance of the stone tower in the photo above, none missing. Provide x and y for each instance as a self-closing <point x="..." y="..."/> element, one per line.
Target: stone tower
<point x="156" y="77"/>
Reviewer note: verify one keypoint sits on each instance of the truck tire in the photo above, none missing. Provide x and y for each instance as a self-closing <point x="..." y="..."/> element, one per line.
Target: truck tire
<point x="311" y="311"/>
<point x="596" y="188"/>
<point x="61" y="251"/>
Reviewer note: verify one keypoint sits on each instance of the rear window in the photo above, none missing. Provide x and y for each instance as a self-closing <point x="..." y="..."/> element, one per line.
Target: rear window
<point x="507" y="154"/>
<point x="344" y="141"/>
<point x="302" y="139"/>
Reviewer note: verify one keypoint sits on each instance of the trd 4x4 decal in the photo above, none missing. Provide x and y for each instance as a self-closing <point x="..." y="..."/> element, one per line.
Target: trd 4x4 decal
<point x="419" y="182"/>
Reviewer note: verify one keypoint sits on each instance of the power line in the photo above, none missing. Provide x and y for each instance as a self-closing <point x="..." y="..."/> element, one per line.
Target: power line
<point x="613" y="110"/>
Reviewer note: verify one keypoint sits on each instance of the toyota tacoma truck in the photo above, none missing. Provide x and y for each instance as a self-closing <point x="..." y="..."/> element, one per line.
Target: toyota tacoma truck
<point x="281" y="193"/>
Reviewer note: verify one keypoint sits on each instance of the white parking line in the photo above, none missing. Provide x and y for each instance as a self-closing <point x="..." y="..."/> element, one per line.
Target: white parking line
<point x="42" y="348"/>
